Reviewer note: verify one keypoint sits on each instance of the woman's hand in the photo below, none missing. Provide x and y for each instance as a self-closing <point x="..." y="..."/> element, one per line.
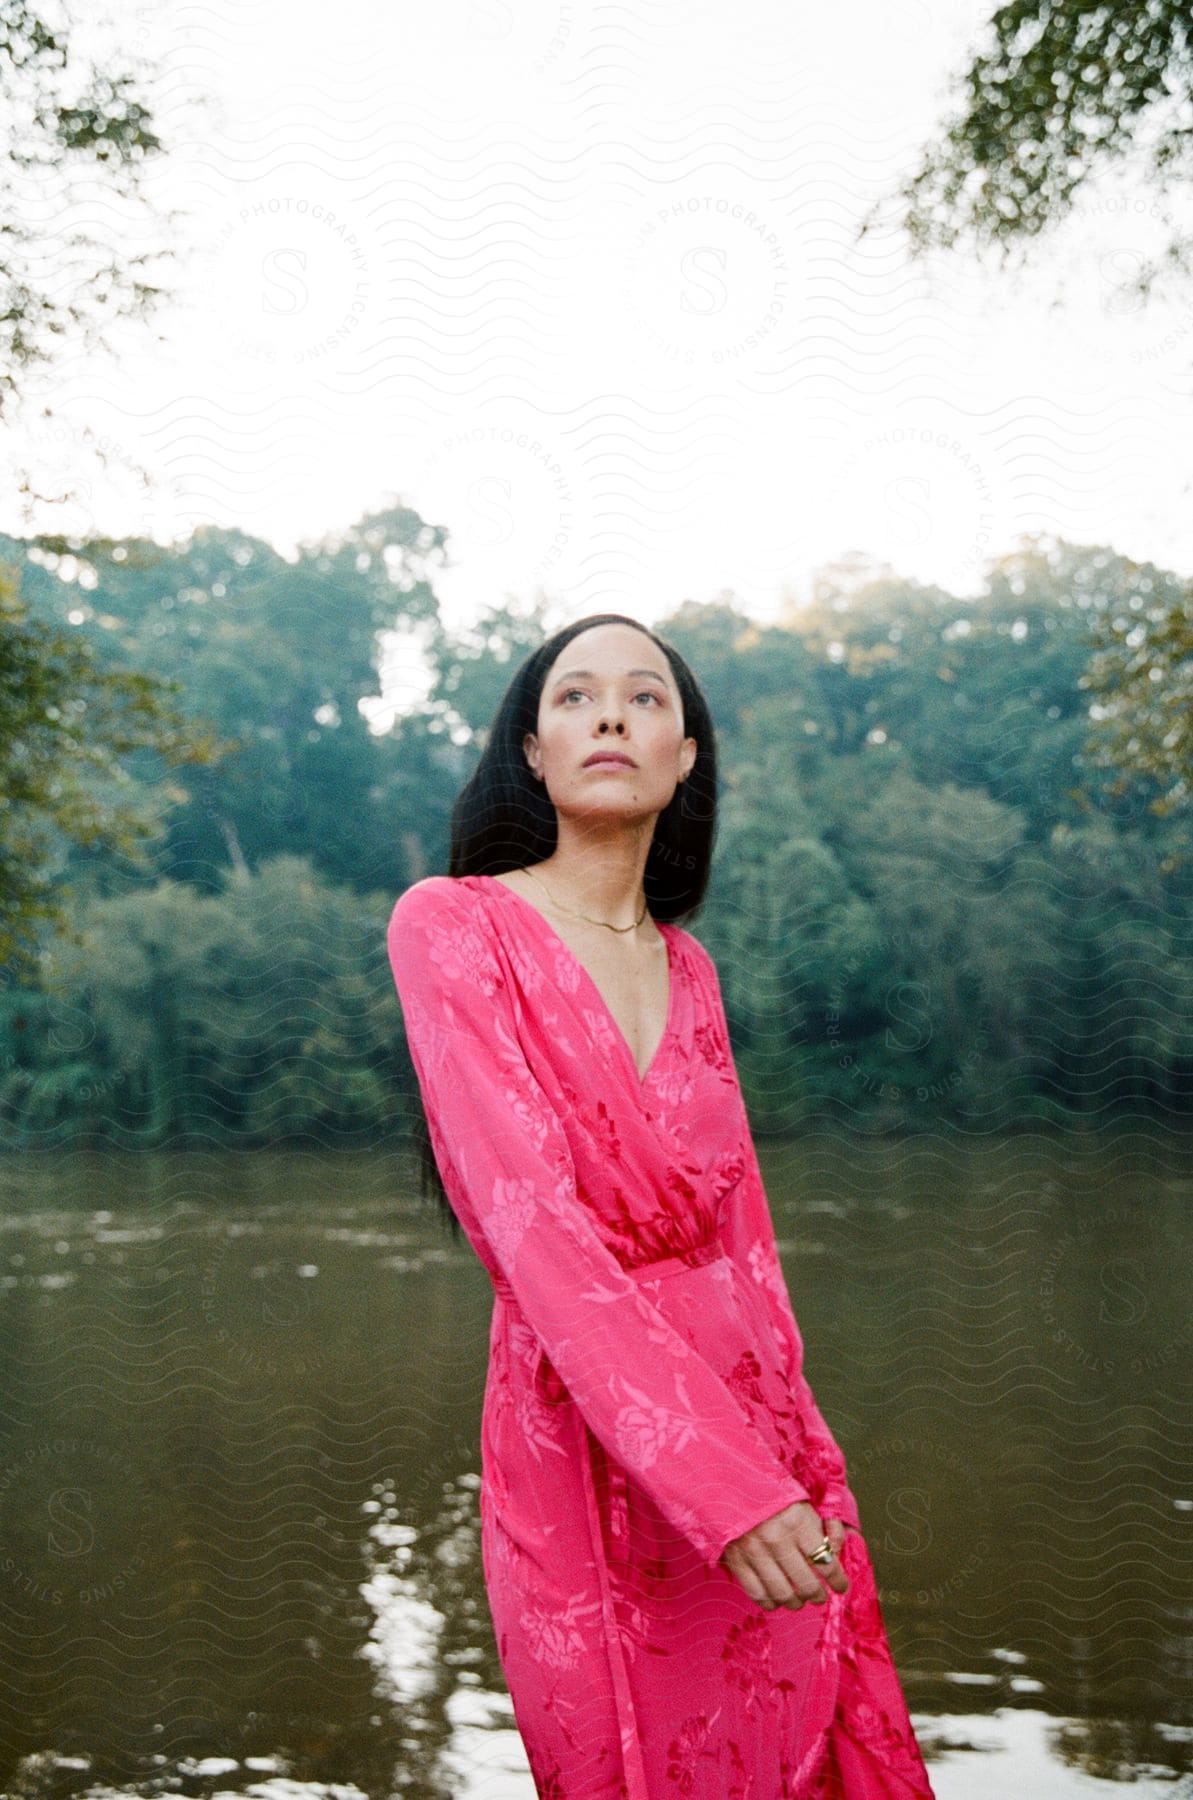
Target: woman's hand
<point x="771" y="1559"/>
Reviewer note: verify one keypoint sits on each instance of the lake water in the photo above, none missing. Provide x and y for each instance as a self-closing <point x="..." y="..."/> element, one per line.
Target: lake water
<point x="239" y="1464"/>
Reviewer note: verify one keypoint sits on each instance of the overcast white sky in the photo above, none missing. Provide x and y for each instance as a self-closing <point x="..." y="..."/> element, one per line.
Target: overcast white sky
<point x="581" y="283"/>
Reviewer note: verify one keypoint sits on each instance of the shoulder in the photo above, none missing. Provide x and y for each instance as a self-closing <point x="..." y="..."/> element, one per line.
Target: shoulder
<point x="439" y="918"/>
<point x="698" y="956"/>
<point x="434" y="900"/>
<point x="440" y="939"/>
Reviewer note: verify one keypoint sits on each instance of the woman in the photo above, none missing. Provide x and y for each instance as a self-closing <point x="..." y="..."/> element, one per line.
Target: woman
<point x="682" y="1598"/>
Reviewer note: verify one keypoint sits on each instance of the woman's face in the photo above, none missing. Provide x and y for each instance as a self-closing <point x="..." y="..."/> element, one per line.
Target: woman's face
<point x="610" y="689"/>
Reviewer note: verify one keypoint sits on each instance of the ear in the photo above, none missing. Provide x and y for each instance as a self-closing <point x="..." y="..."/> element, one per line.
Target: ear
<point x="530" y="750"/>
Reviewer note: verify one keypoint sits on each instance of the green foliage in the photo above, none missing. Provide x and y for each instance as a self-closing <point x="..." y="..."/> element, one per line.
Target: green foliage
<point x="1142" y="675"/>
<point x="255" y="1016"/>
<point x="82" y="245"/>
<point x="1061" y="89"/>
<point x="935" y="897"/>
<point x="474" y="667"/>
<point x="906" y="842"/>
<point x="276" y="657"/>
<point x="65" y="725"/>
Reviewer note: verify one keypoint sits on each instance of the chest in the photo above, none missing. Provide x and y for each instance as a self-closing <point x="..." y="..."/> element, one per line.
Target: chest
<point x="634" y="983"/>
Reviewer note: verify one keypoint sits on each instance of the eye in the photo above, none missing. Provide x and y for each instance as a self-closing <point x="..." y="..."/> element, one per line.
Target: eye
<point x="648" y="693"/>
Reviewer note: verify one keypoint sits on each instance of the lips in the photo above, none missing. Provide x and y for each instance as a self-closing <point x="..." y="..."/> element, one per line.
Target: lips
<point x="610" y="758"/>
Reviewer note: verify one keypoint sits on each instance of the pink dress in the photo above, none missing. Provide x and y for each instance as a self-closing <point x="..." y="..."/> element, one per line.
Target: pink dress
<point x="645" y="1400"/>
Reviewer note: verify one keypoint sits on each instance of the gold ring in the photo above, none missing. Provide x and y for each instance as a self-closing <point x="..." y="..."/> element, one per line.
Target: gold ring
<point x="823" y="1552"/>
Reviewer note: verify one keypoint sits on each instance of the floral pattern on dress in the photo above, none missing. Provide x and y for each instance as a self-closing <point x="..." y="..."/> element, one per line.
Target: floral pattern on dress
<point x="747" y="1660"/>
<point x="511" y="1210"/>
<point x="558" y="1638"/>
<point x="634" y="1424"/>
<point x="689" y="1750"/>
<point x="645" y="1430"/>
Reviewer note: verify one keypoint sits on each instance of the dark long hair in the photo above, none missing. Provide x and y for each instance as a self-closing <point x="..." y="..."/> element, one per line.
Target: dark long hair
<point x="503" y="817"/>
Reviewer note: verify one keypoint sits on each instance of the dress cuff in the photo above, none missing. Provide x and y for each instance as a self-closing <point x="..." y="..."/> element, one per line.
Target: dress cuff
<point x="839" y="1503"/>
<point x="794" y="1493"/>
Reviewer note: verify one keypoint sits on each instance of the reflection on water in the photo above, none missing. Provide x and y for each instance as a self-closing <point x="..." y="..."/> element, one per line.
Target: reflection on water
<point x="239" y="1466"/>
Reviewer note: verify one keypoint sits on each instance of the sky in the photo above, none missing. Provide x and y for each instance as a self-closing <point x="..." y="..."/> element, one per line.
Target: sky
<point x="583" y="284"/>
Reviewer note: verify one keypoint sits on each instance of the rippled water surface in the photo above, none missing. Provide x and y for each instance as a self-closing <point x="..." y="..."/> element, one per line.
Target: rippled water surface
<point x="239" y="1465"/>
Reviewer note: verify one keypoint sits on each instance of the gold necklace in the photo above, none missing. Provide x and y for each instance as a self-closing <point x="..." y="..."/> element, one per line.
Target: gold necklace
<point x="576" y="915"/>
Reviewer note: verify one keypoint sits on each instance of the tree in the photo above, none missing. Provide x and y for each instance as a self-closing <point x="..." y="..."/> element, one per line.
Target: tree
<point x="280" y="657"/>
<point x="65" y="724"/>
<point x="75" y="143"/>
<point x="1064" y="90"/>
<point x="1061" y="93"/>
<point x="1142" y="676"/>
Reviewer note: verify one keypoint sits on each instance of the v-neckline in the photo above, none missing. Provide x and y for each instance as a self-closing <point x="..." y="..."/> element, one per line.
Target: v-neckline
<point x="672" y="984"/>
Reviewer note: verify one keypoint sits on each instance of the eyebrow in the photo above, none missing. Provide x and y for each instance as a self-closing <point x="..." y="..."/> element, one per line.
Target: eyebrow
<point x="587" y="675"/>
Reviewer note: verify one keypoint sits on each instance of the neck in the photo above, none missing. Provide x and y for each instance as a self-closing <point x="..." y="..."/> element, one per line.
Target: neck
<point x="601" y="876"/>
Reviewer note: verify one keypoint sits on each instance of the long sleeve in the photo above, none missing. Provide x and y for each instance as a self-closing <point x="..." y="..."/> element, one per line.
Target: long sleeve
<point x="746" y="1229"/>
<point x="645" y="1393"/>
